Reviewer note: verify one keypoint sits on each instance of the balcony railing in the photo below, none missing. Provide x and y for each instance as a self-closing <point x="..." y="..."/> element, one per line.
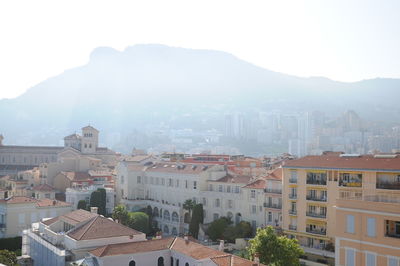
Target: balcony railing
<point x="316" y="215"/>
<point x="311" y="181"/>
<point x="292" y="196"/>
<point x="293" y="212"/>
<point x="392" y="235"/>
<point x="271" y="190"/>
<point x="352" y="183"/>
<point x="293" y="180"/>
<point x="272" y="205"/>
<point x="314" y="198"/>
<point x="292" y="227"/>
<point x="388" y="185"/>
<point x="316" y="231"/>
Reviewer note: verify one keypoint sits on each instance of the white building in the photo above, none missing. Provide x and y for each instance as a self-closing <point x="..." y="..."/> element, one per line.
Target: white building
<point x="165" y="251"/>
<point x="74" y="195"/>
<point x="69" y="237"/>
<point x="166" y="186"/>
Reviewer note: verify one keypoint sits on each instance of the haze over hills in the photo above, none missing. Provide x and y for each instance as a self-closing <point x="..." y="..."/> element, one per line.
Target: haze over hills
<point x="147" y="84"/>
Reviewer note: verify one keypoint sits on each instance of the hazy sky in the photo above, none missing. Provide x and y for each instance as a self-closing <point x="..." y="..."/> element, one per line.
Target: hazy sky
<point x="343" y="40"/>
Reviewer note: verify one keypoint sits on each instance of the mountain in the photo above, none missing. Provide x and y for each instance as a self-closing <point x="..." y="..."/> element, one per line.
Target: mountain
<point x="147" y="83"/>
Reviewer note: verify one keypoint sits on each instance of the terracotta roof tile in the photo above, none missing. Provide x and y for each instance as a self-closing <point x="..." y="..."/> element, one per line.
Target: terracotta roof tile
<point x="133" y="247"/>
<point x="239" y="179"/>
<point x="101" y="227"/>
<point x="77" y="176"/>
<point x="258" y="184"/>
<point x="364" y="162"/>
<point x="194" y="250"/>
<point x="78" y="216"/>
<point x="50" y="202"/>
<point x="276" y="174"/>
<point x="43" y="187"/>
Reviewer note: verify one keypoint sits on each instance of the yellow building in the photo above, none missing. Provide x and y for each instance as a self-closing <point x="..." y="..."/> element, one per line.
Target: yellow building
<point x="312" y="186"/>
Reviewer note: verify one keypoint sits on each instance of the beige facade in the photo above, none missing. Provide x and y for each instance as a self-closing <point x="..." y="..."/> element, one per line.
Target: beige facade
<point x="368" y="230"/>
<point x="312" y="186"/>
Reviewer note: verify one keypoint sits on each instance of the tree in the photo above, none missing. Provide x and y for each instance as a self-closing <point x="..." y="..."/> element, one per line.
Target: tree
<point x="98" y="199"/>
<point x="216" y="229"/>
<point x="121" y="214"/>
<point x="103" y="201"/>
<point x="273" y="249"/>
<point x="189" y="205"/>
<point x="197" y="219"/>
<point x="8" y="257"/>
<point x="82" y="204"/>
<point x="138" y="221"/>
<point x="241" y="230"/>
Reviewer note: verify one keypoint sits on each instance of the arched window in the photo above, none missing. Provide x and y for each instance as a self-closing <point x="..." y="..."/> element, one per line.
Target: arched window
<point x="172" y="261"/>
<point x="175" y="217"/>
<point x="132" y="263"/>
<point x="166" y="229"/>
<point x="174" y="231"/>
<point x="155" y="212"/>
<point x="229" y="215"/>
<point x="160" y="261"/>
<point x="238" y="218"/>
<point x="186" y="264"/>
<point x="177" y="262"/>
<point x="166" y="215"/>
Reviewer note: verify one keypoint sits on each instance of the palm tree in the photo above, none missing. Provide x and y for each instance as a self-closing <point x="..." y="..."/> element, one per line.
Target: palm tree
<point x="189" y="205"/>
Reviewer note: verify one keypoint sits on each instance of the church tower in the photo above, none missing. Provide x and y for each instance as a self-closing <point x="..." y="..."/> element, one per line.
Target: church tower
<point x="90" y="140"/>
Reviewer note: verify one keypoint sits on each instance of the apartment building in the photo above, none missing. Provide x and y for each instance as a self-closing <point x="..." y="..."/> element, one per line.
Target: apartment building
<point x="165" y="186"/>
<point x="368" y="229"/>
<point x="313" y="184"/>
<point x="17" y="213"/>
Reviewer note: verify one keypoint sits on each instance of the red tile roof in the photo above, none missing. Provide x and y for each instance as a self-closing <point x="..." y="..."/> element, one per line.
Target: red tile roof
<point x="77" y="176"/>
<point x="43" y="187"/>
<point x="276" y="174"/>
<point x="239" y="179"/>
<point x="364" y="162"/>
<point x="194" y="250"/>
<point x="133" y="247"/>
<point x="258" y="184"/>
<point x="50" y="202"/>
<point x="101" y="227"/>
<point x="78" y="216"/>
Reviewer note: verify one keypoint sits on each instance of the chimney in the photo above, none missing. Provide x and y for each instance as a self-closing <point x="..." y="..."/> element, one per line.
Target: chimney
<point x="159" y="235"/>
<point x="221" y="245"/>
<point x="94" y="210"/>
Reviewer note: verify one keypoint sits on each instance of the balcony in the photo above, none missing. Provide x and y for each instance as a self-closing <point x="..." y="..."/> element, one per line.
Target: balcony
<point x="293" y="180"/>
<point x="321" y="231"/>
<point x="311" y="181"/>
<point x="293" y="212"/>
<point x="316" y="215"/>
<point x="315" y="198"/>
<point x="272" y="205"/>
<point x="350" y="183"/>
<point x="293" y="227"/>
<point x="388" y="185"/>
<point x="292" y="196"/>
<point x="274" y="191"/>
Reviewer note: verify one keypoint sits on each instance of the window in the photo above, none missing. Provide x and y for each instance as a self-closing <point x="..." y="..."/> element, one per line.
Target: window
<point x="393" y="261"/>
<point x="210" y="187"/>
<point x="237" y="189"/>
<point x="216" y="216"/>
<point x="204" y="202"/>
<point x="350" y="224"/>
<point x="177" y="262"/>
<point x="186" y="264"/>
<point x="132" y="263"/>
<point x="186" y="184"/>
<point x="194" y="184"/>
<point x="253" y="194"/>
<point x="253" y="209"/>
<point x="230" y="204"/>
<point x="177" y="183"/>
<point x="138" y="179"/>
<point x="217" y="203"/>
<point x="220" y="188"/>
<point x="350" y="257"/>
<point x="170" y="182"/>
<point x="228" y="189"/>
<point x="370" y="259"/>
<point x="371" y="227"/>
<point x="160" y="261"/>
<point x="254" y="224"/>
<point x="269" y="216"/>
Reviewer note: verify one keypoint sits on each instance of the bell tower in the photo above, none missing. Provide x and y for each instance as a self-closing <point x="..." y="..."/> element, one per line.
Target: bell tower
<point x="90" y="140"/>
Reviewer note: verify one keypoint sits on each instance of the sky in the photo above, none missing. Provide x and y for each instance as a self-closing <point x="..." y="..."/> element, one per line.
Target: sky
<point x="344" y="40"/>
